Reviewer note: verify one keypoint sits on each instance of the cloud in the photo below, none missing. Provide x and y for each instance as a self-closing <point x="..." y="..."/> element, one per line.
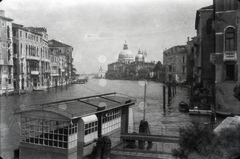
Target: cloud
<point x="99" y="36"/>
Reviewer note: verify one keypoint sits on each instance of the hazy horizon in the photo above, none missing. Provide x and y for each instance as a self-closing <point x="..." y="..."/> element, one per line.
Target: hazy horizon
<point x="98" y="29"/>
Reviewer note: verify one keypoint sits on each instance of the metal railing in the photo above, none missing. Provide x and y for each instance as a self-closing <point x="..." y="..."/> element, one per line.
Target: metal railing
<point x="230" y="56"/>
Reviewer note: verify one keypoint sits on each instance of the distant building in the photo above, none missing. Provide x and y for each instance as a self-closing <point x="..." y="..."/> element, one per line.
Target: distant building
<point x="175" y="63"/>
<point x="6" y="54"/>
<point x="101" y="73"/>
<point x="56" y="75"/>
<point x="125" y="56"/>
<point x="67" y="51"/>
<point x="128" y="68"/>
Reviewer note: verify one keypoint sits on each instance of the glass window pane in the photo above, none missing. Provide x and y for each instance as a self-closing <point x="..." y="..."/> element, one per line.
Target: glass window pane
<point x="55" y="144"/>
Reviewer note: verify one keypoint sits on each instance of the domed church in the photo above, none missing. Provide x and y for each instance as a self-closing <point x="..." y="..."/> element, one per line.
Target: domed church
<point x="141" y="56"/>
<point x="128" y="68"/>
<point x="125" y="56"/>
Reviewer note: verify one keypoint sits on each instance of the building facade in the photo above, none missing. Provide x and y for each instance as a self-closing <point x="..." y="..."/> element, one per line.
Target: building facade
<point x="203" y="70"/>
<point x="175" y="60"/>
<point x="6" y="54"/>
<point x="226" y="56"/>
<point x="65" y="50"/>
<point x="31" y="58"/>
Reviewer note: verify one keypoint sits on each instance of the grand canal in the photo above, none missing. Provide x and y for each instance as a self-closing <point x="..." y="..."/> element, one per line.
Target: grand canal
<point x="154" y="112"/>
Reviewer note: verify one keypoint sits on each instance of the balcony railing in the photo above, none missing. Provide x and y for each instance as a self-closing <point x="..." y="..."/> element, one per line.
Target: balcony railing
<point x="54" y="74"/>
<point x="45" y="59"/>
<point x="34" y="72"/>
<point x="33" y="58"/>
<point x="230" y="56"/>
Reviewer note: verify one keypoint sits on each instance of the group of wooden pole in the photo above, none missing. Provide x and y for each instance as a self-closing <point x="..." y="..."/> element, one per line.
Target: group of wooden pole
<point x="171" y="93"/>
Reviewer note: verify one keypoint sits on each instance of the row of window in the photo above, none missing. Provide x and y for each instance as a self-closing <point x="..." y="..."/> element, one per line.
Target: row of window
<point x="46" y="142"/>
<point x="31" y="50"/>
<point x="27" y="36"/>
<point x="111" y="121"/>
<point x="49" y="132"/>
<point x="111" y="115"/>
<point x="91" y="127"/>
<point x="111" y="125"/>
<point x="173" y="69"/>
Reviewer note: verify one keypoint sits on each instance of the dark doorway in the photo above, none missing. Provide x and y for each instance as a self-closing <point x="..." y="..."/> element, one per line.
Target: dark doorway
<point x="23" y="84"/>
<point x="35" y="82"/>
<point x="15" y="84"/>
<point x="230" y="70"/>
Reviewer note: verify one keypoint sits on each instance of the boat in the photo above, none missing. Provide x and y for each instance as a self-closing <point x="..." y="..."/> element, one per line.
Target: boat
<point x="197" y="111"/>
<point x="39" y="89"/>
<point x="224" y="114"/>
<point x="183" y="107"/>
<point x="80" y="81"/>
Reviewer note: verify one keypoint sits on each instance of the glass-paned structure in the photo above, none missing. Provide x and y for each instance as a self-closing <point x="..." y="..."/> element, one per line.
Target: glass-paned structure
<point x="60" y="134"/>
<point x="111" y="120"/>
<point x="90" y="128"/>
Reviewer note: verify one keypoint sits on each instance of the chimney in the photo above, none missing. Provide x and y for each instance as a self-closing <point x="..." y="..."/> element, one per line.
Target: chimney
<point x="2" y="13"/>
<point x="188" y="39"/>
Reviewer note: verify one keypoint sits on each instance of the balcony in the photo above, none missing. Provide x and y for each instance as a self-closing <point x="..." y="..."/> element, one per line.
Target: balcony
<point x="229" y="56"/>
<point x="34" y="72"/>
<point x="33" y="58"/>
<point x="54" y="74"/>
<point x="45" y="59"/>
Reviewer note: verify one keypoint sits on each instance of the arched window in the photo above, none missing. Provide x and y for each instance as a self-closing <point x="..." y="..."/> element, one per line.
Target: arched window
<point x="229" y="39"/>
<point x="209" y="26"/>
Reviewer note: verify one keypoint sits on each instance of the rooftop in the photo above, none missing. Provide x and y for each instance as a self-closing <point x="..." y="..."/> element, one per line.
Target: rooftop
<point x="55" y="43"/>
<point x="80" y="107"/>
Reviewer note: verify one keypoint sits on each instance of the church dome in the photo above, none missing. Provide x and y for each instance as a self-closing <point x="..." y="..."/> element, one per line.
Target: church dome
<point x="125" y="55"/>
<point x="139" y="56"/>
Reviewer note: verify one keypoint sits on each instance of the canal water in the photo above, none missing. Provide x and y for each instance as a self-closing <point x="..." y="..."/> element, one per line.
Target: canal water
<point x="10" y="134"/>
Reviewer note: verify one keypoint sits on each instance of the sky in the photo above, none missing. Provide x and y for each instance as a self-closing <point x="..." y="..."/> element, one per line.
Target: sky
<point x="98" y="29"/>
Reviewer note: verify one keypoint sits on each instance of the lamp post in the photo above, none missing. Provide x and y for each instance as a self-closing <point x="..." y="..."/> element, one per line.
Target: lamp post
<point x="144" y="106"/>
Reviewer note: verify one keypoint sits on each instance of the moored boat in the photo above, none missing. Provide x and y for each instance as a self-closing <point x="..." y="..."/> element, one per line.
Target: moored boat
<point x="196" y="111"/>
<point x="183" y="107"/>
